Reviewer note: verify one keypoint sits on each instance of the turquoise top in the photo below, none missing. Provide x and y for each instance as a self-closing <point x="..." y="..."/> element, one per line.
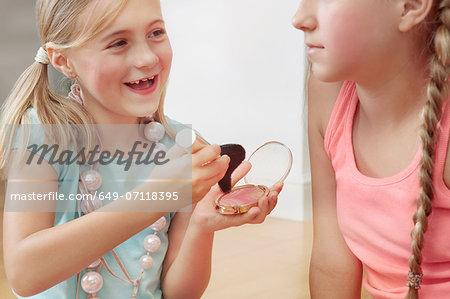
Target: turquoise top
<point x="114" y="178"/>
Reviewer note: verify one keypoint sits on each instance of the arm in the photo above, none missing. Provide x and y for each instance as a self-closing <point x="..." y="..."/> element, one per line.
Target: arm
<point x="334" y="271"/>
<point x="39" y="255"/>
<point x="188" y="258"/>
<point x="187" y="266"/>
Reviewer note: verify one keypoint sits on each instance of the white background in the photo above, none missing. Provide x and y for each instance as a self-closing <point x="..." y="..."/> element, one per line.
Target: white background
<point x="237" y="77"/>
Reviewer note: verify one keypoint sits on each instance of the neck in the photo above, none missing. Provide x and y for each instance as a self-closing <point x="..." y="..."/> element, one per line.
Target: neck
<point x="108" y="117"/>
<point x="102" y="115"/>
<point x="119" y="136"/>
<point x="396" y="94"/>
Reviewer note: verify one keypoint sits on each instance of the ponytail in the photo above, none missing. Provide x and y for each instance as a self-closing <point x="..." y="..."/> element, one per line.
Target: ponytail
<point x="32" y="90"/>
<point x="16" y="104"/>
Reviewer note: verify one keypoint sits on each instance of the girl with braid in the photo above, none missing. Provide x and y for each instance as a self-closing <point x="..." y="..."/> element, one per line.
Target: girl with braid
<point x="135" y="245"/>
<point x="379" y="146"/>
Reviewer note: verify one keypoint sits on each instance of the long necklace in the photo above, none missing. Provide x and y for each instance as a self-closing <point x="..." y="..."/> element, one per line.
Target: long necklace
<point x="90" y="181"/>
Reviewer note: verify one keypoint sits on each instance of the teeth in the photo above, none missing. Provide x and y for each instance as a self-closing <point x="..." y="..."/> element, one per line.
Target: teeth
<point x="143" y="80"/>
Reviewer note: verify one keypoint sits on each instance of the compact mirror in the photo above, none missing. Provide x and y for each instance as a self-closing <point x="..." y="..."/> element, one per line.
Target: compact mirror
<point x="271" y="163"/>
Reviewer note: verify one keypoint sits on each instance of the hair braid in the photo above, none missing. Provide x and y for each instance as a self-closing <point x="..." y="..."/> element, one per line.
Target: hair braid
<point x="431" y="113"/>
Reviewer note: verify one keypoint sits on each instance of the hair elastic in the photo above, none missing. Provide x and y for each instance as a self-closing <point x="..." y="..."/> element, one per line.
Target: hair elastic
<point x="42" y="56"/>
<point x="414" y="280"/>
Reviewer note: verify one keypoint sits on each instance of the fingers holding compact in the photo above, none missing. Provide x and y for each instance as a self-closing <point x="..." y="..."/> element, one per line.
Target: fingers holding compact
<point x="265" y="206"/>
<point x="273" y="195"/>
<point x="258" y="214"/>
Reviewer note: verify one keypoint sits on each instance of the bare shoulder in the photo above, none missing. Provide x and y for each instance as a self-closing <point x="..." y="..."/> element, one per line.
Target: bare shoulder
<point x="321" y="99"/>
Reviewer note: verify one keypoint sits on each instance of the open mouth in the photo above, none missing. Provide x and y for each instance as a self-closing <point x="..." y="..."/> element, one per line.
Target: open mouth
<point x="142" y="84"/>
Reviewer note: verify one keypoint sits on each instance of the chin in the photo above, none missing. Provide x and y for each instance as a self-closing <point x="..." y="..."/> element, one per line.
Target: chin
<point x="325" y="75"/>
<point x="145" y="111"/>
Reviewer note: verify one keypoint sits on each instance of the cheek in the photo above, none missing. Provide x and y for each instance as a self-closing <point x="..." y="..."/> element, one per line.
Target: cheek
<point x="165" y="60"/>
<point x="346" y="36"/>
<point x="100" y="74"/>
<point x="165" y="57"/>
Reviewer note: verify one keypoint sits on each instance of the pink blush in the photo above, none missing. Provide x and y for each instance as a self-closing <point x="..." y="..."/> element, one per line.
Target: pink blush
<point x="241" y="197"/>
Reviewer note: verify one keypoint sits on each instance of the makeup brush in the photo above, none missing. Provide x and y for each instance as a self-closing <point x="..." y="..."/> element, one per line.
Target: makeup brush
<point x="186" y="139"/>
<point x="237" y="154"/>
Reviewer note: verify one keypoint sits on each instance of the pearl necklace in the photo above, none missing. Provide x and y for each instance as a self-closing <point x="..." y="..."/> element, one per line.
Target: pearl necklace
<point x="90" y="181"/>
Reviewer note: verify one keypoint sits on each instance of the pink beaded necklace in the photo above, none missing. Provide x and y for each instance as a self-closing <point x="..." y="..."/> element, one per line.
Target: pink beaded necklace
<point x="90" y="181"/>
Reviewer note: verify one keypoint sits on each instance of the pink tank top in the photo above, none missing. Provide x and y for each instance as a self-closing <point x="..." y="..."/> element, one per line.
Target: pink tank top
<point x="375" y="214"/>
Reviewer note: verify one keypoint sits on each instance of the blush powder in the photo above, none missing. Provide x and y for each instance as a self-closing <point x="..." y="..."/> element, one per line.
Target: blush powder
<point x="242" y="196"/>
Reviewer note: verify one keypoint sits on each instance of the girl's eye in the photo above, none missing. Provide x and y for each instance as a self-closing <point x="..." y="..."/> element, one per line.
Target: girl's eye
<point x="117" y="44"/>
<point x="158" y="33"/>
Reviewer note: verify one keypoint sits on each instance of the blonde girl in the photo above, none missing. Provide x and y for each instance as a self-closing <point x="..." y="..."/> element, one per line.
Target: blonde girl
<point x="119" y="55"/>
<point x="379" y="146"/>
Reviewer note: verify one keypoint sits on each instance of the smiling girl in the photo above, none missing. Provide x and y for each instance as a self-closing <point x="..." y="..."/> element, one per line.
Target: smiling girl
<point x="120" y="57"/>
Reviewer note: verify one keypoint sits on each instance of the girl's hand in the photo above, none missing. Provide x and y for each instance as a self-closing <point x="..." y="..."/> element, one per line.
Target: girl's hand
<point x="208" y="168"/>
<point x="205" y="166"/>
<point x="207" y="219"/>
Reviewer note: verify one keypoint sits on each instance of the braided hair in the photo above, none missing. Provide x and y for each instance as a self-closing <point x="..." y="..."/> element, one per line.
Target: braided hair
<point x="431" y="114"/>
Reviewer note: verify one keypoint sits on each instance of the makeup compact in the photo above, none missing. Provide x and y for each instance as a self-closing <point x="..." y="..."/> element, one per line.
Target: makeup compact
<point x="271" y="163"/>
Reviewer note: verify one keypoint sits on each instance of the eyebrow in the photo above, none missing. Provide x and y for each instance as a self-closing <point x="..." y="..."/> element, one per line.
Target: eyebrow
<point x="127" y="31"/>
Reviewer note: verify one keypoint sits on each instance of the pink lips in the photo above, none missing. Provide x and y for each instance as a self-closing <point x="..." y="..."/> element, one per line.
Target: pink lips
<point x="312" y="49"/>
<point x="145" y="87"/>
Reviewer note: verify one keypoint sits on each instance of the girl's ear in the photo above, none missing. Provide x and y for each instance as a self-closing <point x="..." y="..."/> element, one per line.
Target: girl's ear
<point x="61" y="63"/>
<point x="413" y="13"/>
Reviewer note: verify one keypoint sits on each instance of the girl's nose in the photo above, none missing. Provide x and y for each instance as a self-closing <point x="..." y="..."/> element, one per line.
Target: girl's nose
<point x="304" y="19"/>
<point x="144" y="56"/>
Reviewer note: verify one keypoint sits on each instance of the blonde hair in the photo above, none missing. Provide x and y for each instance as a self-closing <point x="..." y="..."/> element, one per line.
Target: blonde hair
<point x="431" y="114"/>
<point x="59" y="28"/>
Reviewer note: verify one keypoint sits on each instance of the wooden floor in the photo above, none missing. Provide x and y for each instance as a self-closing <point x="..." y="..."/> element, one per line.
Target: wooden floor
<point x="269" y="260"/>
<point x="262" y="261"/>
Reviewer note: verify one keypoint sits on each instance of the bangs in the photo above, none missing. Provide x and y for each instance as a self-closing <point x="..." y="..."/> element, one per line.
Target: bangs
<point x="97" y="16"/>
